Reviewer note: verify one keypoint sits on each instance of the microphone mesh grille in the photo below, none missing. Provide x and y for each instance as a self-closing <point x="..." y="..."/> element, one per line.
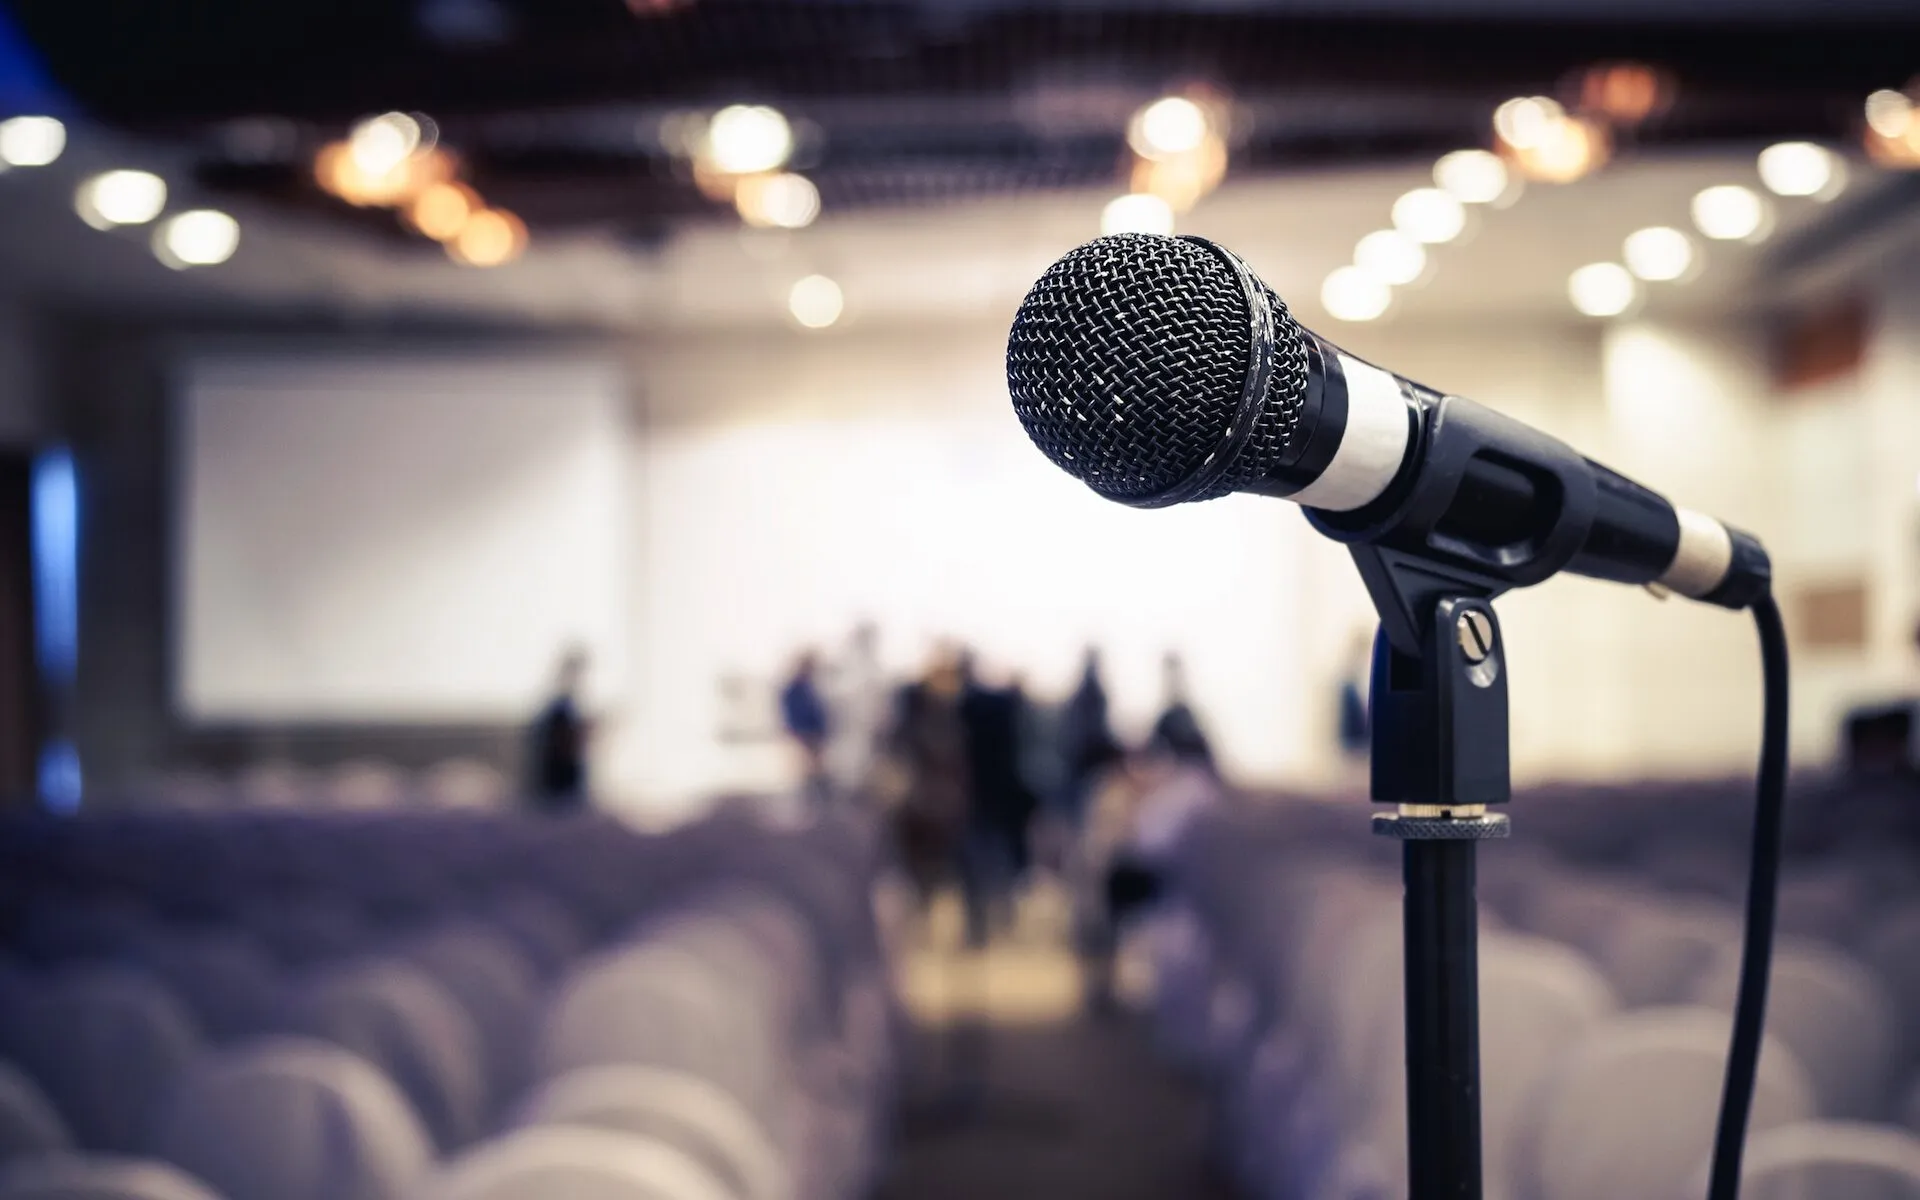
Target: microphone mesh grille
<point x="1127" y="360"/>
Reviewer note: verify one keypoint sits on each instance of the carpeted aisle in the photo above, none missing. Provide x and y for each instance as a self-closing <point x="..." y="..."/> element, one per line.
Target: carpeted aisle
<point x="1018" y="1094"/>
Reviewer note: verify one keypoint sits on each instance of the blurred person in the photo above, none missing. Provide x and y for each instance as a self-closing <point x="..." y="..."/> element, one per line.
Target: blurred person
<point x="1087" y="745"/>
<point x="1178" y="728"/>
<point x="804" y="716"/>
<point x="1351" y="719"/>
<point x="1043" y="771"/>
<point x="928" y="745"/>
<point x="1132" y="838"/>
<point x="1000" y="806"/>
<point x="858" y="697"/>
<point x="560" y="737"/>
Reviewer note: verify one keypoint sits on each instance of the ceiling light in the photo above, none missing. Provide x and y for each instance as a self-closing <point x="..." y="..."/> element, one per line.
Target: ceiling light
<point x="338" y="171"/>
<point x="1602" y="289"/>
<point x="120" y="198"/>
<point x="816" y="302"/>
<point x="1429" y="215"/>
<point x="1352" y="294"/>
<point x="1183" y="180"/>
<point x="1137" y="213"/>
<point x="783" y="201"/>
<point x="1658" y="253"/>
<point x="746" y="139"/>
<point x="201" y="237"/>
<point x="1802" y="169"/>
<point x="1525" y="122"/>
<point x="1898" y="153"/>
<point x="1730" y="213"/>
<point x="1472" y="176"/>
<point x="31" y="141"/>
<point x="379" y="144"/>
<point x="442" y="211"/>
<point x="1624" y="93"/>
<point x="1169" y="126"/>
<point x="489" y="238"/>
<point x="1390" y="256"/>
<point x="1889" y="113"/>
<point x="1567" y="149"/>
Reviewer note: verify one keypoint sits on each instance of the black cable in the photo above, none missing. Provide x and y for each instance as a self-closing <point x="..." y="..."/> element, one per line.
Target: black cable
<point x="1763" y="889"/>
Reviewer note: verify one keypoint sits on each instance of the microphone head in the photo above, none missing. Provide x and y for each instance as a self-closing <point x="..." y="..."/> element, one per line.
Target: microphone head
<point x="1158" y="369"/>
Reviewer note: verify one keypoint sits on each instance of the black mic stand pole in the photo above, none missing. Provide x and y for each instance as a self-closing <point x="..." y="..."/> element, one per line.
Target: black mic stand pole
<point x="1439" y="733"/>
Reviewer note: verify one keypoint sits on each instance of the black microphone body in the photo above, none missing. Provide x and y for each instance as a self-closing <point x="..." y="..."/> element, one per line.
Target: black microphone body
<point x="1162" y="370"/>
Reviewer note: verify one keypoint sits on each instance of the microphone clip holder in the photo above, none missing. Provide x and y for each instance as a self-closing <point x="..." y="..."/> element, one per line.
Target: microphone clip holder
<point x="1440" y="757"/>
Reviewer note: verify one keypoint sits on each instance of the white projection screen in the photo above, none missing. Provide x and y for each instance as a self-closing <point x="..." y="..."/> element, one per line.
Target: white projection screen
<point x="388" y="538"/>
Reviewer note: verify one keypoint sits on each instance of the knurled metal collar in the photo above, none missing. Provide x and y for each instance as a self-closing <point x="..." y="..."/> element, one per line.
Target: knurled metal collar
<point x="1438" y="823"/>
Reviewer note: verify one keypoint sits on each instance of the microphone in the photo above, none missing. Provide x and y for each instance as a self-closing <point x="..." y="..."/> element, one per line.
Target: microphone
<point x="1160" y="370"/>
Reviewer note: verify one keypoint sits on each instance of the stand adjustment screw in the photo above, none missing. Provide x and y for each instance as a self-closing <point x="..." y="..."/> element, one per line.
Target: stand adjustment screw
<point x="1476" y="635"/>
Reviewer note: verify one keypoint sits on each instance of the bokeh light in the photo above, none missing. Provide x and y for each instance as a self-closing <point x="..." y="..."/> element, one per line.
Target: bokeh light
<point x="1429" y="215"/>
<point x="1624" y="93"/>
<point x="1602" y="289"/>
<point x="489" y="238"/>
<point x="31" y="141"/>
<point x="816" y="302"/>
<point x="1526" y="122"/>
<point x="380" y="144"/>
<point x="1730" y="213"/>
<point x="1169" y="126"/>
<point x="747" y="139"/>
<point x="1890" y="113"/>
<point x="1354" y="294"/>
<point x="780" y="201"/>
<point x="201" y="237"/>
<point x="1391" y="256"/>
<point x="1566" y="150"/>
<point x="1802" y="169"/>
<point x="1183" y="180"/>
<point x="1659" y="253"/>
<point x="339" y="171"/>
<point x="442" y="210"/>
<point x="124" y="197"/>
<point x="1137" y="213"/>
<point x="1473" y="176"/>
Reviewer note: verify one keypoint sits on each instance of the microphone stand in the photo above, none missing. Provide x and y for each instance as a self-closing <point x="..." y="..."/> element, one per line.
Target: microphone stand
<point x="1438" y="708"/>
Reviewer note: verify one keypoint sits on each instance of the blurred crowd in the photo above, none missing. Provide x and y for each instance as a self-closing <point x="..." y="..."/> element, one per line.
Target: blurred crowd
<point x="983" y="783"/>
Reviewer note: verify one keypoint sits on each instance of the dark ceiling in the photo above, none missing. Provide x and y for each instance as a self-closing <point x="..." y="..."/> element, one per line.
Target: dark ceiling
<point x="556" y="104"/>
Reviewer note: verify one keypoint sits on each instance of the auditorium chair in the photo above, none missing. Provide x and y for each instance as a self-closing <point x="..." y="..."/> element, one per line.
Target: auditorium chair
<point x="292" y="1119"/>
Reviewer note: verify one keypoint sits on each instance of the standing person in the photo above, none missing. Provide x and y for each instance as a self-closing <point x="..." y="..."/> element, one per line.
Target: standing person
<point x="1087" y="745"/>
<point x="999" y="804"/>
<point x="929" y="743"/>
<point x="1354" y="723"/>
<point x="1177" y="730"/>
<point x="860" y="703"/>
<point x="1134" y="841"/>
<point x="804" y="716"/>
<point x="559" y="741"/>
<point x="1049" y="836"/>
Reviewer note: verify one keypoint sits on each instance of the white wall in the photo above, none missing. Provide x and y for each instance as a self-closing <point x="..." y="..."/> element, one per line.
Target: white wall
<point x="1848" y="458"/>
<point x="1892" y="393"/>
